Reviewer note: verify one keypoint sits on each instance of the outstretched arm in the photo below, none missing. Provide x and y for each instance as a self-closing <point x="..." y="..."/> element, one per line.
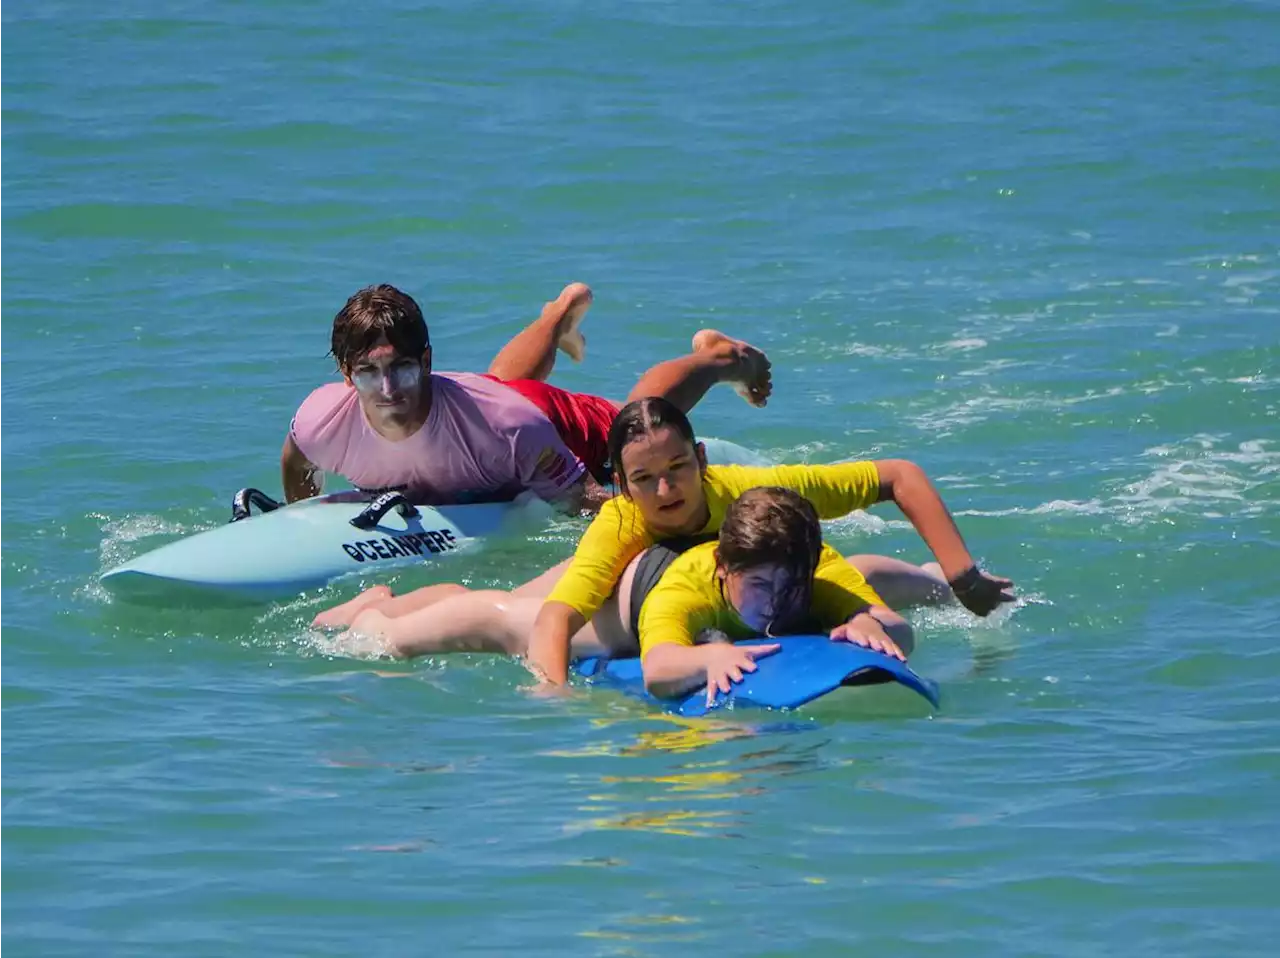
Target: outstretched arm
<point x="907" y="485"/>
<point x="300" y="478"/>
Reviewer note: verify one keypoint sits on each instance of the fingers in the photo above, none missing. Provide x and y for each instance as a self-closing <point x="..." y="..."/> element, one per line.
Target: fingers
<point x="984" y="605"/>
<point x="885" y="646"/>
<point x="723" y="676"/>
<point x="548" y="690"/>
<point x="981" y="592"/>
<point x="760" y="651"/>
<point x="987" y="594"/>
<point x="893" y="650"/>
<point x="866" y="640"/>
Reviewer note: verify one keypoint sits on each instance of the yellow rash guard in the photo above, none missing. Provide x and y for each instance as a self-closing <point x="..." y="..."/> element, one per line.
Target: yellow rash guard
<point x="688" y="599"/>
<point x="619" y="533"/>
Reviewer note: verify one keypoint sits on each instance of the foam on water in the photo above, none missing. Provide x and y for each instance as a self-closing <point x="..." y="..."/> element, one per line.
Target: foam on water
<point x="1204" y="475"/>
<point x="345" y="644"/>
<point x="983" y="408"/>
<point x="1194" y="477"/>
<point x="121" y="536"/>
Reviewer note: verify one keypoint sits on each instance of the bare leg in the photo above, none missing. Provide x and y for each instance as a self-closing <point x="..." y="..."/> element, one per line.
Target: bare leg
<point x="540" y="586"/>
<point x="485" y="621"/>
<point x="532" y="353"/>
<point x="340" y="616"/>
<point x="901" y="584"/>
<point x="392" y="606"/>
<point x="715" y="359"/>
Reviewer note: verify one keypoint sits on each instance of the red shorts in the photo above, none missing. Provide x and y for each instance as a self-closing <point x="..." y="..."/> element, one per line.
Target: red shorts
<point x="583" y="421"/>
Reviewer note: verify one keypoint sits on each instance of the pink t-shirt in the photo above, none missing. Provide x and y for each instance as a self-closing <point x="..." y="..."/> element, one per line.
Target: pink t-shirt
<point x="482" y="442"/>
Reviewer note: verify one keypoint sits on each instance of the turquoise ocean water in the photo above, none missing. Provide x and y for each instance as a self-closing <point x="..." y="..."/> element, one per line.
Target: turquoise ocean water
<point x="1034" y="247"/>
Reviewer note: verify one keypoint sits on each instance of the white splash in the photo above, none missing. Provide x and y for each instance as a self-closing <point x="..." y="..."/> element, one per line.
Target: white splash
<point x="964" y="345"/>
<point x="120" y="534"/>
<point x="1197" y="474"/>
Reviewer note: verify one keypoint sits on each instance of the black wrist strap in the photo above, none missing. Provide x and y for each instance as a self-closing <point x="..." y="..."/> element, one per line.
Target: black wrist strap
<point x="966" y="581"/>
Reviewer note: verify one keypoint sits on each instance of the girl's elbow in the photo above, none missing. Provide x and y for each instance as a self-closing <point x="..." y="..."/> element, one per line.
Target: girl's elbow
<point x="896" y="470"/>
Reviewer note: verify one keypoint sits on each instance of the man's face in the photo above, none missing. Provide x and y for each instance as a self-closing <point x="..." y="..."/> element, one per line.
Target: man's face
<point x="388" y="383"/>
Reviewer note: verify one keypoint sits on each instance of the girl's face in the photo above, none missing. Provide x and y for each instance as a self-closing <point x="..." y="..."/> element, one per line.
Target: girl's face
<point x="663" y="476"/>
<point x="768" y="598"/>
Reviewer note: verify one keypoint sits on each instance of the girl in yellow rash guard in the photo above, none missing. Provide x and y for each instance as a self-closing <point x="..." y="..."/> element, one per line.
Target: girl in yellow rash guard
<point x="768" y="574"/>
<point x="777" y="576"/>
<point x="670" y="493"/>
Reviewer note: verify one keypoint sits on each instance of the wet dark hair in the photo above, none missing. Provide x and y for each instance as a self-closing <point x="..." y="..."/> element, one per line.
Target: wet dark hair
<point x="770" y="524"/>
<point x="372" y="313"/>
<point x="640" y="418"/>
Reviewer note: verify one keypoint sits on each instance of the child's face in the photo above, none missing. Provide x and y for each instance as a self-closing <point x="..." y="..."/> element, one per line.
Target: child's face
<point x="768" y="598"/>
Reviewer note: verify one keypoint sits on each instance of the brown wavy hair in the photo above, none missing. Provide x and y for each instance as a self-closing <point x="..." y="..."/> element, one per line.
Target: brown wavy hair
<point x="372" y="313"/>
<point x="771" y="525"/>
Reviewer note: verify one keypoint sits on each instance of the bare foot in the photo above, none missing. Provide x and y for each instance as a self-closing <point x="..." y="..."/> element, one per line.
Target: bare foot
<point x="569" y="308"/>
<point x="341" y="616"/>
<point x="749" y="374"/>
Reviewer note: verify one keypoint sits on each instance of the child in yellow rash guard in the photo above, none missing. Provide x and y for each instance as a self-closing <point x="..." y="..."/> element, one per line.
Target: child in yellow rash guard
<point x="689" y="599"/>
<point x="768" y="573"/>
<point x="619" y="533"/>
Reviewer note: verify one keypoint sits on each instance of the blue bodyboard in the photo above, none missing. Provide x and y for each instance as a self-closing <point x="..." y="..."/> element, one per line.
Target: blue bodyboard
<point x="805" y="668"/>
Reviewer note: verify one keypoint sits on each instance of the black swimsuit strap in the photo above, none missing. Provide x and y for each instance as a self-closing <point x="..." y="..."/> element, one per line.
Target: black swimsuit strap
<point x="653" y="563"/>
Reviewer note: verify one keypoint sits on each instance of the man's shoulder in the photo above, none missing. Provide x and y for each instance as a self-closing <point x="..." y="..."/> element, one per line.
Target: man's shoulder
<point x="502" y="408"/>
<point x="325" y="401"/>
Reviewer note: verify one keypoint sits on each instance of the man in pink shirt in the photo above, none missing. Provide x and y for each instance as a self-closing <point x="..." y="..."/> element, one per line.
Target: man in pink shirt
<point x="461" y="437"/>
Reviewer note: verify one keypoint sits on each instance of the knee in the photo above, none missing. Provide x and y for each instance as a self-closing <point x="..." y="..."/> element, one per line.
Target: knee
<point x="447" y="590"/>
<point x="901" y="584"/>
